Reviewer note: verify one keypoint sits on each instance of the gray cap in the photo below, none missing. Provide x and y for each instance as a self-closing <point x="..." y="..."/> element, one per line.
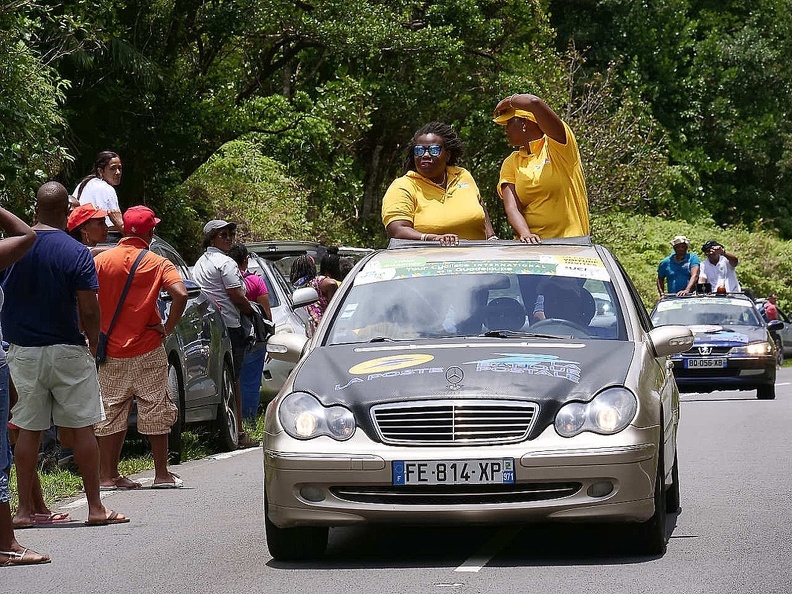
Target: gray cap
<point x="216" y="225"/>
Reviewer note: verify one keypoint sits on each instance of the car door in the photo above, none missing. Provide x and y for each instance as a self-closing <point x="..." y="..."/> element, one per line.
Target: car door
<point x="192" y="337"/>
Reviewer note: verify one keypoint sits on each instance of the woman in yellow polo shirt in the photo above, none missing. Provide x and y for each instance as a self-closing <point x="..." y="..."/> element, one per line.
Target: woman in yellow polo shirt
<point x="435" y="200"/>
<point x="541" y="184"/>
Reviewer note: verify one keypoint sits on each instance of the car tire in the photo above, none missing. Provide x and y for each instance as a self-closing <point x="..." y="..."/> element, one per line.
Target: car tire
<point x="672" y="493"/>
<point x="227" y="413"/>
<point x="301" y="543"/>
<point x="176" y="392"/>
<point x="779" y="351"/>
<point x="766" y="392"/>
<point x="650" y="536"/>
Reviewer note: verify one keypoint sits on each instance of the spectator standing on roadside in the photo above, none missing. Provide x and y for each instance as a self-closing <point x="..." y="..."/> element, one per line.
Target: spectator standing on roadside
<point x="681" y="269"/>
<point x="87" y="224"/>
<point x="219" y="276"/>
<point x="18" y="240"/>
<point x="98" y="188"/>
<point x="253" y="363"/>
<point x="49" y="292"/>
<point x="303" y="274"/>
<point x="137" y="365"/>
<point x="717" y="268"/>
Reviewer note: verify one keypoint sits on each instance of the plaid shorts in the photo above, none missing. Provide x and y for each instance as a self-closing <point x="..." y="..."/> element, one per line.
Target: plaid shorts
<point x="144" y="378"/>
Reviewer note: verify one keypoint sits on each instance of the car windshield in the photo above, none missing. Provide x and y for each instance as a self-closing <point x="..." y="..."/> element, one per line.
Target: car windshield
<point x="410" y="299"/>
<point x="706" y="311"/>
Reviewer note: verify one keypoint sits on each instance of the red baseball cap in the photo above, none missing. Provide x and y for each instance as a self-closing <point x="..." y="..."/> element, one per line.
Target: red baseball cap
<point x="139" y="219"/>
<point x="82" y="214"/>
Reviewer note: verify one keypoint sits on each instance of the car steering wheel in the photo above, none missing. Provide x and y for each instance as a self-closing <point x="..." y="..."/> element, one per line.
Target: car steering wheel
<point x="548" y="325"/>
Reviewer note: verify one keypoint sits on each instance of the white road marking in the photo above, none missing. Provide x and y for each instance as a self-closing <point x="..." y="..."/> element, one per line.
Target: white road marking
<point x="488" y="551"/>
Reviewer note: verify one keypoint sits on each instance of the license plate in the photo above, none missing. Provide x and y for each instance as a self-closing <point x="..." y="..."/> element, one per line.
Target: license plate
<point x="705" y="363"/>
<point x="454" y="472"/>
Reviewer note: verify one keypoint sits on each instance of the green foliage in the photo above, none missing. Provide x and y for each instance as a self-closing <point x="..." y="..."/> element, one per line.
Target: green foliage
<point x="31" y="122"/>
<point x="239" y="183"/>
<point x="640" y="242"/>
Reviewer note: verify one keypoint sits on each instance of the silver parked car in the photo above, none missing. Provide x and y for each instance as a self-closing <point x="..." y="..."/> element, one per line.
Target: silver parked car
<point x="285" y="318"/>
<point x="432" y="393"/>
<point x="200" y="372"/>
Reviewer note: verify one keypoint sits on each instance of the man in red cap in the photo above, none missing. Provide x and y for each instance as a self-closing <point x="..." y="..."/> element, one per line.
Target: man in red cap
<point x="136" y="365"/>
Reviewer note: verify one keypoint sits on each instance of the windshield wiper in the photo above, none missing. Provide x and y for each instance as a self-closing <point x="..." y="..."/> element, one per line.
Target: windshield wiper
<point x="382" y="339"/>
<point x="518" y="334"/>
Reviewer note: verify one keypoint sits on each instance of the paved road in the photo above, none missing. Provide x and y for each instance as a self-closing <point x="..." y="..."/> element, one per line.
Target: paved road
<point x="731" y="536"/>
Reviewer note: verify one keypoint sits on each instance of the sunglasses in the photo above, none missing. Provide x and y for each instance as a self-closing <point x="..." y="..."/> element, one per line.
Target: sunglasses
<point x="227" y="234"/>
<point x="434" y="150"/>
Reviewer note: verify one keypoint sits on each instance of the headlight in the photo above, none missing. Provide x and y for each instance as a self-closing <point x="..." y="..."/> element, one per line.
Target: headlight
<point x="304" y="417"/>
<point x="607" y="413"/>
<point x="757" y="348"/>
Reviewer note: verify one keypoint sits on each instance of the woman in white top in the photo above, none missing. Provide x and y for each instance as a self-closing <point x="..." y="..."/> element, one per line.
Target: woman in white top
<point x="98" y="188"/>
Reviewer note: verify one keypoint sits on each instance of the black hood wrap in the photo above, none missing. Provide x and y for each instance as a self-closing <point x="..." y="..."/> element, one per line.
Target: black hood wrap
<point x="547" y="373"/>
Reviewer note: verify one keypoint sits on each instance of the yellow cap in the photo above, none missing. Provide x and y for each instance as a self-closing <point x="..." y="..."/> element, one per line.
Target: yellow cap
<point x="513" y="113"/>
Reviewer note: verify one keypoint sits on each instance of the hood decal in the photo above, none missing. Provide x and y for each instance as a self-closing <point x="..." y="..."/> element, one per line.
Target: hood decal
<point x="531" y="364"/>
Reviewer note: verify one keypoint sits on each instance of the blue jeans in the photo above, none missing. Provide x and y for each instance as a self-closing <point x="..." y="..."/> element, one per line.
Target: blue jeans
<point x="5" y="444"/>
<point x="250" y="380"/>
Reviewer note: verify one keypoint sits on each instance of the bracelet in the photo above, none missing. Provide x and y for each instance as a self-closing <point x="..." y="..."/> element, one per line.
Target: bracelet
<point x="510" y="101"/>
<point x="423" y="236"/>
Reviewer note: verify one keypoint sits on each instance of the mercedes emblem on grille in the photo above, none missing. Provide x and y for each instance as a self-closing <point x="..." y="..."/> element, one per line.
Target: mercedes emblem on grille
<point x="454" y="376"/>
<point x="705" y="350"/>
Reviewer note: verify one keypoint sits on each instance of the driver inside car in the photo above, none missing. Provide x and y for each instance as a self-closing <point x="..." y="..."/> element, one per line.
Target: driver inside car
<point x="562" y="297"/>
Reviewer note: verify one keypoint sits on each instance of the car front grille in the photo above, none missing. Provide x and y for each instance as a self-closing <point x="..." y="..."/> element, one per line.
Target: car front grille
<point x="454" y="422"/>
<point x="457" y="494"/>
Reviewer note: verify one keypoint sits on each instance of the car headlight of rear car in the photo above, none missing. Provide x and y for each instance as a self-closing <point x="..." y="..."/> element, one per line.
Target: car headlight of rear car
<point x="757" y="348"/>
<point x="304" y="417"/>
<point x="607" y="413"/>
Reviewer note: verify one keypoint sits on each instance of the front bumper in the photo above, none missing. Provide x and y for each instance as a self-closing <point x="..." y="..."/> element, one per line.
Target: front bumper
<point x="740" y="373"/>
<point x="342" y="483"/>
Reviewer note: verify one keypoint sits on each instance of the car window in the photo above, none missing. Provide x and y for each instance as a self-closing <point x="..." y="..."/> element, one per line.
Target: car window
<point x="164" y="250"/>
<point x="456" y="299"/>
<point x="706" y="311"/>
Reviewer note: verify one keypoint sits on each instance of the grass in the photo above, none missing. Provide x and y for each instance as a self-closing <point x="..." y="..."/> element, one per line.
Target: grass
<point x="58" y="484"/>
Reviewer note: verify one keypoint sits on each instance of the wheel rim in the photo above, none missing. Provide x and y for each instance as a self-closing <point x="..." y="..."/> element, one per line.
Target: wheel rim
<point x="173" y="384"/>
<point x="228" y="400"/>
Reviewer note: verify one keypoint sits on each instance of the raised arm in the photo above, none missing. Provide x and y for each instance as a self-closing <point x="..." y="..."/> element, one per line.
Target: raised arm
<point x="19" y="238"/>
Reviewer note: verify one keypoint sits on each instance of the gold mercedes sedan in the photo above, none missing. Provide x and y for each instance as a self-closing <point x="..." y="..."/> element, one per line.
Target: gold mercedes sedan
<point x="480" y="383"/>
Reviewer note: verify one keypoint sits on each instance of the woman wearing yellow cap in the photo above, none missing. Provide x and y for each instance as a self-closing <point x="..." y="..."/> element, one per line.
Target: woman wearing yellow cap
<point x="435" y="199"/>
<point x="541" y="184"/>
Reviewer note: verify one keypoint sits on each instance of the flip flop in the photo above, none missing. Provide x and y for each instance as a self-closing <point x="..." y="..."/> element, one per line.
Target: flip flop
<point x="177" y="483"/>
<point x="123" y="483"/>
<point x="21" y="526"/>
<point x="111" y="519"/>
<point x="15" y="558"/>
<point x="50" y="518"/>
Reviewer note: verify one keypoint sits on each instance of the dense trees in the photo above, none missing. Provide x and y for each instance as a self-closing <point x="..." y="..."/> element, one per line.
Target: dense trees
<point x="679" y="105"/>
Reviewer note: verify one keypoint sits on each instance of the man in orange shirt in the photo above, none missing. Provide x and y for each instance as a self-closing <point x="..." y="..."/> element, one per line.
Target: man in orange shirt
<point x="136" y="364"/>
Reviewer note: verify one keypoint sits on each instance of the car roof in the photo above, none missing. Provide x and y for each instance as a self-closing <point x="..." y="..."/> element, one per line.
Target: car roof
<point x="507" y="250"/>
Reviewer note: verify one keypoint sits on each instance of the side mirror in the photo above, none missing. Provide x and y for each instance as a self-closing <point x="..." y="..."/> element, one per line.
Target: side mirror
<point x="304" y="296"/>
<point x="775" y="325"/>
<point x="670" y="340"/>
<point x="193" y="290"/>
<point x="286" y="346"/>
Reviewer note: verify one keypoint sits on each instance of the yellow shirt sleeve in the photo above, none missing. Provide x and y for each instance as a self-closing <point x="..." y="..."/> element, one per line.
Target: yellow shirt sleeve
<point x="399" y="203"/>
